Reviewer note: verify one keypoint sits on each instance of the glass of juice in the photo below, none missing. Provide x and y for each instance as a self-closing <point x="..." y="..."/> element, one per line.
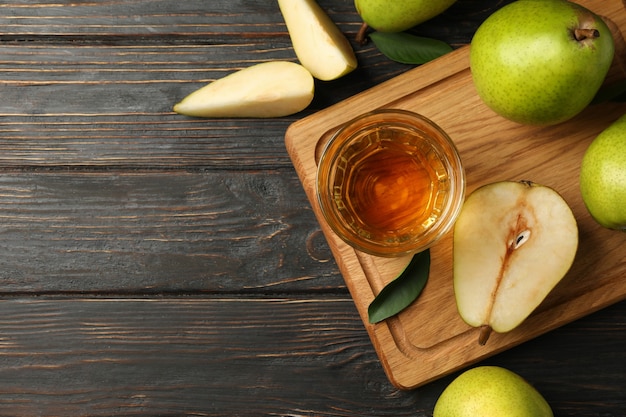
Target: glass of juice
<point x="390" y="183"/>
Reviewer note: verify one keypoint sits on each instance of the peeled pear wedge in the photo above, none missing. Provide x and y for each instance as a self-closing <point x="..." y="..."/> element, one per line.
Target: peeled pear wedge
<point x="269" y="89"/>
<point x="513" y="242"/>
<point x="317" y="41"/>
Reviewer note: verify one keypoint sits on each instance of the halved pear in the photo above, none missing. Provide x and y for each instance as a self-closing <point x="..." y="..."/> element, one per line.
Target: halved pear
<point x="317" y="41"/>
<point x="269" y="89"/>
<point x="513" y="242"/>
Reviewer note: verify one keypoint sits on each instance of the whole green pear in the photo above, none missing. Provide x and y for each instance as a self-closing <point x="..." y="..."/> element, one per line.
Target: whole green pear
<point x="491" y="391"/>
<point x="540" y="62"/>
<point x="399" y="15"/>
<point x="603" y="176"/>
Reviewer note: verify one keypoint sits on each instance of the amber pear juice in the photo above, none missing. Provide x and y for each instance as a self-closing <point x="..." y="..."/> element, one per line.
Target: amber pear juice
<point x="390" y="183"/>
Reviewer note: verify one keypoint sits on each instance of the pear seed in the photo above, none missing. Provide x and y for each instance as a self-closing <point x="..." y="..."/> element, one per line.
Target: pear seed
<point x="521" y="239"/>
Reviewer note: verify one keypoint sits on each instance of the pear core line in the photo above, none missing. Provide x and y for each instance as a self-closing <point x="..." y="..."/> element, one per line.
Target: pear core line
<point x="520" y="235"/>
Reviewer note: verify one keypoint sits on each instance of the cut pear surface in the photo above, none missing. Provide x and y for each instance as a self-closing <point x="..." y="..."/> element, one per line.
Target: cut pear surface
<point x="317" y="41"/>
<point x="270" y="89"/>
<point x="513" y="242"/>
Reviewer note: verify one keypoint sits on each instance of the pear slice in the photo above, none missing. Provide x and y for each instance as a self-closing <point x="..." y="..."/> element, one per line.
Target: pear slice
<point x="317" y="41"/>
<point x="513" y="242"/>
<point x="270" y="89"/>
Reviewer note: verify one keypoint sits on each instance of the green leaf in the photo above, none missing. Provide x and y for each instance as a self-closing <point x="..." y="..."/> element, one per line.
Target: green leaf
<point x="402" y="291"/>
<point x="409" y="49"/>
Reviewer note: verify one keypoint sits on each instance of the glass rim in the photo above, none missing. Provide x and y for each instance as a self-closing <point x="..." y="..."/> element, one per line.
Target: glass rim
<point x="349" y="132"/>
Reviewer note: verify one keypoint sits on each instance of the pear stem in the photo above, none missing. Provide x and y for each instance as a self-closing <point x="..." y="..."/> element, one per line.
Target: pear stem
<point x="361" y="37"/>
<point x="581" y="34"/>
<point x="485" y="332"/>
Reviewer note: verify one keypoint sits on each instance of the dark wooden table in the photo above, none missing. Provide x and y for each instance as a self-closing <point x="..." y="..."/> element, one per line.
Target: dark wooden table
<point x="155" y="265"/>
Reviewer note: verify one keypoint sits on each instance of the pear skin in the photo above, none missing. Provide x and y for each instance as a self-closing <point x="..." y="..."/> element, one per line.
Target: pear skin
<point x="540" y="62"/>
<point x="399" y="15"/>
<point x="603" y="176"/>
<point x="491" y="391"/>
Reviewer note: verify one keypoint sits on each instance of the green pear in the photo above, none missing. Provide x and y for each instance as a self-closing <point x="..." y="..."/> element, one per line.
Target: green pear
<point x="540" y="62"/>
<point x="603" y="176"/>
<point x="399" y="15"/>
<point x="491" y="391"/>
<point x="269" y="89"/>
<point x="513" y="242"/>
<point x="317" y="41"/>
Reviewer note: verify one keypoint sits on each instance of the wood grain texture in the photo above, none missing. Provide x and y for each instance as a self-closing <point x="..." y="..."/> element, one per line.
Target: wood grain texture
<point x="125" y="64"/>
<point x="158" y="265"/>
<point x="429" y="339"/>
<point x="203" y="357"/>
<point x="159" y="232"/>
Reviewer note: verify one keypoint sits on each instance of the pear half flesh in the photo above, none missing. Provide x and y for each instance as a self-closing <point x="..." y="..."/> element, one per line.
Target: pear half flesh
<point x="317" y="41"/>
<point x="513" y="242"/>
<point x="269" y="89"/>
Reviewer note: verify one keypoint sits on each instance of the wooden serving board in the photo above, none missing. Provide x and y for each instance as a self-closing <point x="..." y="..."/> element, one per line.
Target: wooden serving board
<point x="429" y="339"/>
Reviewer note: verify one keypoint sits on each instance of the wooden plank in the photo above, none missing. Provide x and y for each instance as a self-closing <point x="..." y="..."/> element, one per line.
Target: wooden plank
<point x="245" y="357"/>
<point x="429" y="339"/>
<point x="175" y="19"/>
<point x="118" y="111"/>
<point x="129" y="140"/>
<point x="125" y="64"/>
<point x="160" y="232"/>
<point x="137" y="17"/>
